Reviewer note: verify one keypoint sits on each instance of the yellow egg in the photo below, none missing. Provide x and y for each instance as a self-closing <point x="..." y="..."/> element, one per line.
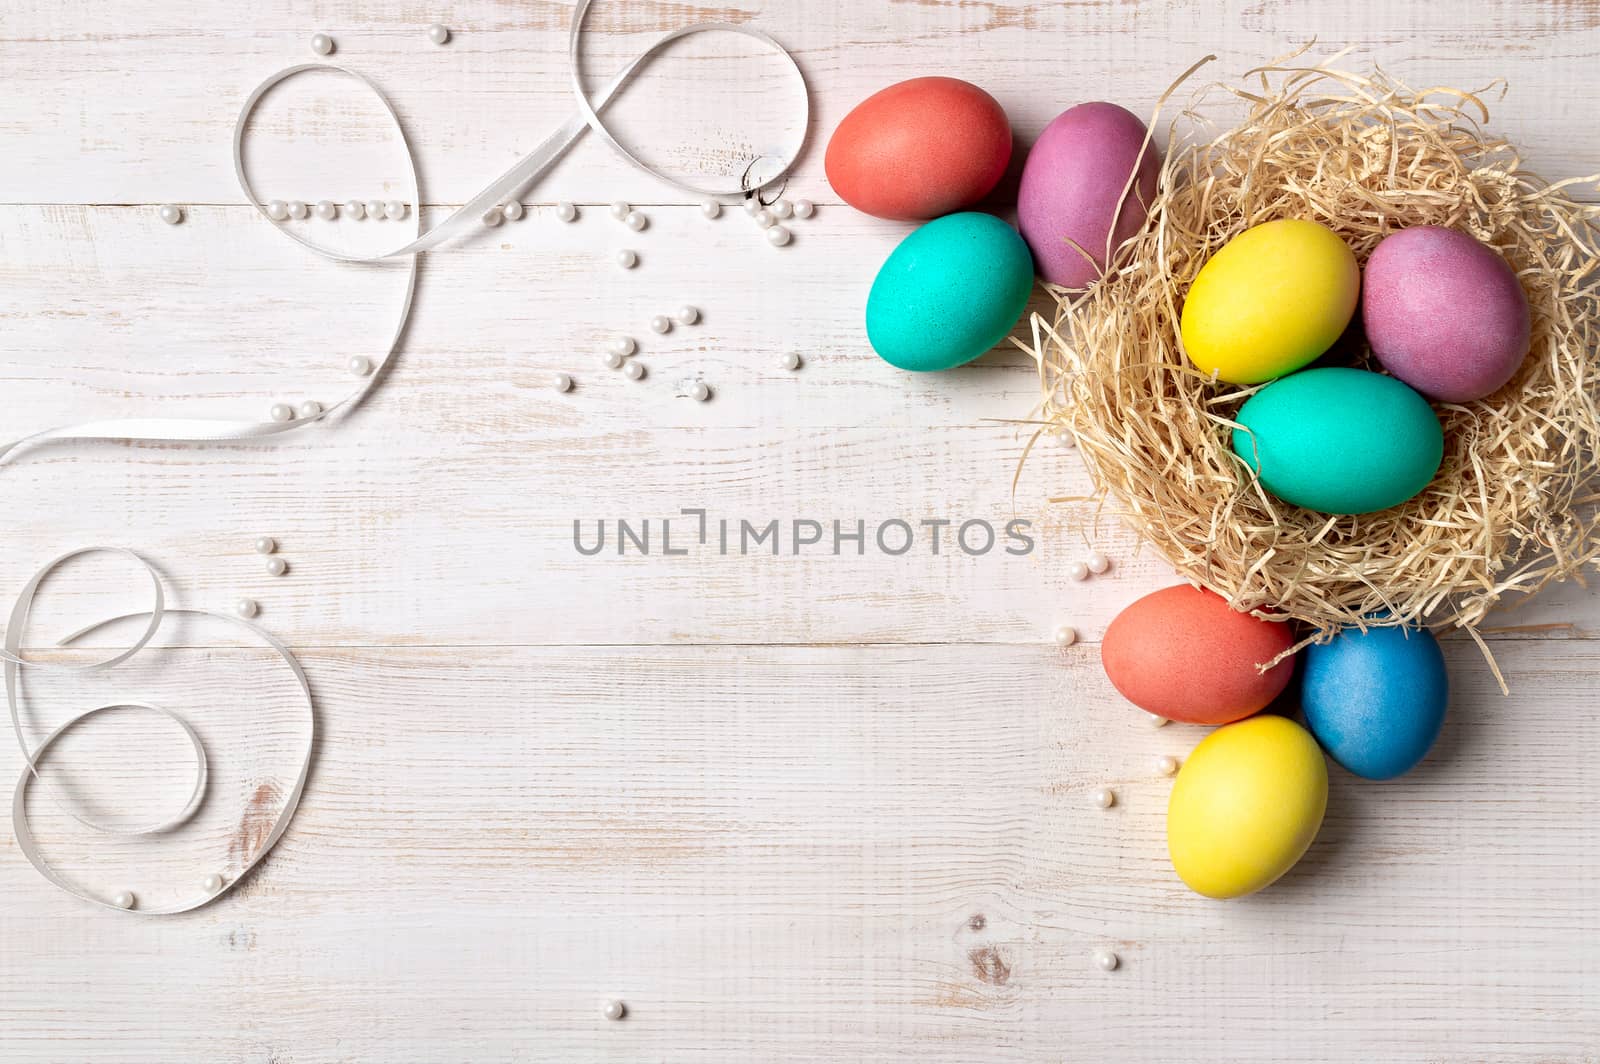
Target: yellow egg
<point x="1245" y="806"/>
<point x="1273" y="299"/>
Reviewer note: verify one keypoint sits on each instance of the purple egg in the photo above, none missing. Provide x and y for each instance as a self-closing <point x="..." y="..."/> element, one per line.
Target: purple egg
<point x="1444" y="313"/>
<point x="1071" y="185"/>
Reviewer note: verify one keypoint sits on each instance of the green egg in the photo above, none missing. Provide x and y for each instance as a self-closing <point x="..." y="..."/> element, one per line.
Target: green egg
<point x="1341" y="441"/>
<point x="952" y="290"/>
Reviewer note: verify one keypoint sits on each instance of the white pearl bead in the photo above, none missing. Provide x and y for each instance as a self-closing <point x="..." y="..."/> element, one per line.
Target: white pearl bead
<point x="266" y="545"/>
<point x="246" y="608"/>
<point x="614" y="1010"/>
<point x="492" y="217"/>
<point x="355" y="209"/>
<point x="634" y="370"/>
<point x="360" y="365"/>
<point x="627" y="259"/>
<point x="322" y="44"/>
<point x="277" y="210"/>
<point x="374" y="209"/>
<point x="710" y="208"/>
<point x="123" y="899"/>
<point x="803" y="208"/>
<point x="752" y="205"/>
<point x="325" y="210"/>
<point x="612" y="360"/>
<point x="1105" y="798"/>
<point x="1106" y="961"/>
<point x="438" y="34"/>
<point x="563" y="382"/>
<point x="567" y="212"/>
<point x="700" y="392"/>
<point x="1098" y="563"/>
<point x="394" y="210"/>
<point x="310" y="408"/>
<point x="282" y="412"/>
<point x="1157" y="720"/>
<point x="512" y="209"/>
<point x="781" y="209"/>
<point x="297" y="209"/>
<point x="764" y="218"/>
<point x="777" y="236"/>
<point x="622" y="346"/>
<point x="171" y="214"/>
<point x="636" y="221"/>
<point x="211" y="884"/>
<point x="1167" y="765"/>
<point x="1078" y="571"/>
<point x="619" y="210"/>
<point x="661" y="323"/>
<point x="276" y="566"/>
<point x="790" y="361"/>
<point x="688" y="315"/>
<point x="1066" y="636"/>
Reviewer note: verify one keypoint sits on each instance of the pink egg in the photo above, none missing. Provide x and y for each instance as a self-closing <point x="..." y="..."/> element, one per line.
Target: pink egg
<point x="1444" y="313"/>
<point x="1072" y="183"/>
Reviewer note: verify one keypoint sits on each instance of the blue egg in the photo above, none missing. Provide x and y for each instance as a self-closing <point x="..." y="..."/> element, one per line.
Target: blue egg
<point x="1375" y="700"/>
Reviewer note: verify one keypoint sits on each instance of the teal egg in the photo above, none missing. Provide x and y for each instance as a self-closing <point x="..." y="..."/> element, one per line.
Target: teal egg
<point x="1341" y="441"/>
<point x="953" y="289"/>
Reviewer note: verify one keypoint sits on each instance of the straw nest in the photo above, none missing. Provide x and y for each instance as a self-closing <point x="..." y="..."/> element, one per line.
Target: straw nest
<point x="1513" y="507"/>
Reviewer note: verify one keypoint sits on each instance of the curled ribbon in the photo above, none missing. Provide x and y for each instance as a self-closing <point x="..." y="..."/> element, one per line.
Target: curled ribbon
<point x="463" y="221"/>
<point x="15" y="662"/>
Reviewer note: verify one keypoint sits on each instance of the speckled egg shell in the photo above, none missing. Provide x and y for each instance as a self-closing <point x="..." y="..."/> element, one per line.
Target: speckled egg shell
<point x="1444" y="313"/>
<point x="1182" y="653"/>
<point x="919" y="149"/>
<point x="1376" y="700"/>
<point x="952" y="290"/>
<point x="1072" y="184"/>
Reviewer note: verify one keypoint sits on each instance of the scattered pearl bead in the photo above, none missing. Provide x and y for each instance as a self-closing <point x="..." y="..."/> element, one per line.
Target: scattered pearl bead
<point x="297" y="209"/>
<point x="1106" y="961"/>
<point x="438" y="33"/>
<point x="512" y="209"/>
<point x="322" y="44"/>
<point x="752" y="205"/>
<point x="790" y="361"/>
<point x="325" y="210"/>
<point x="563" y="382"/>
<point x="803" y="208"/>
<point x="246" y="608"/>
<point x="567" y="212"/>
<point x="355" y="209"/>
<point x="310" y="408"/>
<point x="1157" y="720"/>
<point x="622" y="346"/>
<point x="1105" y="798"/>
<point x="1066" y="636"/>
<point x="688" y="315"/>
<point x="612" y="360"/>
<point x="374" y="209"/>
<point x="635" y="221"/>
<point x="614" y="1010"/>
<point x="123" y="899"/>
<point x="700" y="392"/>
<point x="266" y="545"/>
<point x="492" y="217"/>
<point x="781" y="209"/>
<point x="634" y="370"/>
<point x="276" y="566"/>
<point x="1078" y="571"/>
<point x="619" y="210"/>
<point x="627" y="259"/>
<point x="282" y="412"/>
<point x="171" y="214"/>
<point x="394" y="210"/>
<point x="277" y="210"/>
<point x="710" y="208"/>
<point x="777" y="236"/>
<point x="211" y="884"/>
<point x="661" y="323"/>
<point x="764" y="218"/>
<point x="1098" y="563"/>
<point x="1167" y="765"/>
<point x="360" y="365"/>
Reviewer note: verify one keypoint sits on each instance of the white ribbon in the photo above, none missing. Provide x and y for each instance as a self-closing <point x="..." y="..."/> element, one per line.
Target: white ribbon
<point x="15" y="662"/>
<point x="465" y="220"/>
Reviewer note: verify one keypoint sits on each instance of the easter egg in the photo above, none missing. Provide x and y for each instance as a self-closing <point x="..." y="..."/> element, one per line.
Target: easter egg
<point x="1376" y="700"/>
<point x="1072" y="184"/>
<point x="1444" y="313"/>
<point x="1246" y="806"/>
<point x="1341" y="441"/>
<point x="1271" y="301"/>
<point x="950" y="291"/>
<point x="1184" y="654"/>
<point x="919" y="149"/>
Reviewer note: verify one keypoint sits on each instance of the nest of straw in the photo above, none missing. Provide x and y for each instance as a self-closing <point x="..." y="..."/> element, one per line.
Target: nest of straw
<point x="1512" y="509"/>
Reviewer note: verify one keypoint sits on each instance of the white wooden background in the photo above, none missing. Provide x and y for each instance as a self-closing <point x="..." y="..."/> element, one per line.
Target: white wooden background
<point x="816" y="808"/>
